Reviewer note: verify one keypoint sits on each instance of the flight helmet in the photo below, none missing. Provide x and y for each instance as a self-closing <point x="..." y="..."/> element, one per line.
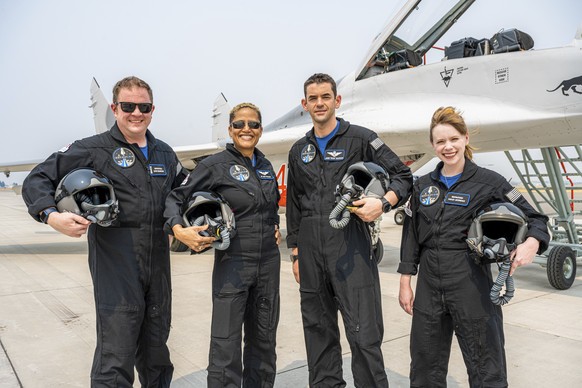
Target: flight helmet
<point x="209" y="208"/>
<point x="496" y="230"/>
<point x="364" y="178"/>
<point x="89" y="194"/>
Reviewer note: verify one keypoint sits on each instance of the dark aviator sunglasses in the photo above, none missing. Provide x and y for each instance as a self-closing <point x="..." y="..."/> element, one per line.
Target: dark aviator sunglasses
<point x="240" y="124"/>
<point x="129" y="107"/>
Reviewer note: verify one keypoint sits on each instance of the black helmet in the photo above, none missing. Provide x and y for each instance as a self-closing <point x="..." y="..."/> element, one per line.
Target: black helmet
<point x="207" y="208"/>
<point x="366" y="178"/>
<point x="496" y="230"/>
<point x="89" y="194"/>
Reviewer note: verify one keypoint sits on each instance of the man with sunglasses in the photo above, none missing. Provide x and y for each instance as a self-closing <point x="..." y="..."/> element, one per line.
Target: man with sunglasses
<point x="336" y="268"/>
<point x="129" y="260"/>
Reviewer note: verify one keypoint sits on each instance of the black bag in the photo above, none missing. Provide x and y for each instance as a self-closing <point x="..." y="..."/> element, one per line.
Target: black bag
<point x="467" y="47"/>
<point x="511" y="40"/>
<point x="403" y="59"/>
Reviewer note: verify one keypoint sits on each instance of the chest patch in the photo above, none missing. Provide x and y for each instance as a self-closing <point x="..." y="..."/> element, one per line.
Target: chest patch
<point x="265" y="175"/>
<point x="308" y="153"/>
<point x="334" y="155"/>
<point x="157" y="170"/>
<point x="429" y="195"/>
<point x="458" y="199"/>
<point x="123" y="157"/>
<point x="240" y="173"/>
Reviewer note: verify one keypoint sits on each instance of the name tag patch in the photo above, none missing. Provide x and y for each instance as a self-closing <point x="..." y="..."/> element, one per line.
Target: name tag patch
<point x="334" y="155"/>
<point x="157" y="170"/>
<point x="265" y="175"/>
<point x="458" y="199"/>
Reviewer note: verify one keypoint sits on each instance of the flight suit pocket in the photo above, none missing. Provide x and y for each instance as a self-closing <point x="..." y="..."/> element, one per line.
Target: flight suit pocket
<point x="119" y="329"/>
<point x="367" y="327"/>
<point x="264" y="314"/>
<point x="159" y="328"/>
<point x="227" y="315"/>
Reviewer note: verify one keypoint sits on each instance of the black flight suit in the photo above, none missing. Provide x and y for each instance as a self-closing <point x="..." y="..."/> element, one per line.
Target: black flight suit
<point x="245" y="278"/>
<point x="129" y="260"/>
<point x="337" y="269"/>
<point x="452" y="290"/>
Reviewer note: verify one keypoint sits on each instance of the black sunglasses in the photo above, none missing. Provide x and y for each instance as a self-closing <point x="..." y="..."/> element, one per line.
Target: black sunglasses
<point x="240" y="124"/>
<point x="129" y="107"/>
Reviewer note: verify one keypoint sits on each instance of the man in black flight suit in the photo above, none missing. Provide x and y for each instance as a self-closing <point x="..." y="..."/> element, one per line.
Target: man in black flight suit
<point x="335" y="268"/>
<point x="129" y="260"/>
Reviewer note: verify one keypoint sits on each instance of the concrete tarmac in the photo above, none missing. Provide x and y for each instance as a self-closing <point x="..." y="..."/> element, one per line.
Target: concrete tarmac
<point x="47" y="317"/>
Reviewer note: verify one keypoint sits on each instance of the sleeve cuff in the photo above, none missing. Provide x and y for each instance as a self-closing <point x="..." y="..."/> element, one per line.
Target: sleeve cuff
<point x="408" y="268"/>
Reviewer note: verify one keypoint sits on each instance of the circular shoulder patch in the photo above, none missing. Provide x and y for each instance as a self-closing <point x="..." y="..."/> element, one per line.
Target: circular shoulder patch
<point x="429" y="195"/>
<point x="123" y="157"/>
<point x="308" y="153"/>
<point x="240" y="173"/>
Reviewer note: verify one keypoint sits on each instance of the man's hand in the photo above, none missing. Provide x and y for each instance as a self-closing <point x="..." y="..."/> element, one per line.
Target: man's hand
<point x="368" y="208"/>
<point x="524" y="253"/>
<point x="69" y="224"/>
<point x="406" y="295"/>
<point x="191" y="238"/>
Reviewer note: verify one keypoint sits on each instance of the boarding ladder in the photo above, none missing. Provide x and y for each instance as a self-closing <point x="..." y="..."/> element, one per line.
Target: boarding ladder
<point x="552" y="176"/>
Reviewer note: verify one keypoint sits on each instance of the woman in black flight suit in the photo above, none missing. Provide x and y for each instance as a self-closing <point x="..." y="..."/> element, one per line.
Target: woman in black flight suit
<point x="452" y="290"/>
<point x="245" y="279"/>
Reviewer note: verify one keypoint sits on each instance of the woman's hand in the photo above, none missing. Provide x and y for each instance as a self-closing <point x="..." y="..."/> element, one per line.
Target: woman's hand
<point x="277" y="235"/>
<point x="190" y="237"/>
<point x="524" y="253"/>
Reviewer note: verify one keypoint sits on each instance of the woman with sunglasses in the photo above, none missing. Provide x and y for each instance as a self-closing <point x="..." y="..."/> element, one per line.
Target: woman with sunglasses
<point x="245" y="279"/>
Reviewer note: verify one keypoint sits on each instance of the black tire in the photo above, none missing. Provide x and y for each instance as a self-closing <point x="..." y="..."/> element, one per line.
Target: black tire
<point x="379" y="251"/>
<point x="561" y="267"/>
<point x="399" y="217"/>
<point x="178" y="246"/>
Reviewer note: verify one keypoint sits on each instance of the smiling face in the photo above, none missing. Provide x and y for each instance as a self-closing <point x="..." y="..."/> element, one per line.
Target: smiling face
<point x="449" y="146"/>
<point x="133" y="125"/>
<point x="246" y="138"/>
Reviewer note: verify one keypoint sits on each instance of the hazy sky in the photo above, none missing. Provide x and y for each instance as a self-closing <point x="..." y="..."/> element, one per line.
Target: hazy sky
<point x="258" y="51"/>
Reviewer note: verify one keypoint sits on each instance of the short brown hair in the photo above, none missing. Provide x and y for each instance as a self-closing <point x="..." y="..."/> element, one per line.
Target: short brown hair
<point x="450" y="115"/>
<point x="129" y="83"/>
<point x="320" y="78"/>
<point x="241" y="106"/>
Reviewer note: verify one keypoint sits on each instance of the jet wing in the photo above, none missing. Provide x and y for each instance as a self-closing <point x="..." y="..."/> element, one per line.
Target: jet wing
<point x="417" y="27"/>
<point x="19" y="167"/>
<point x="190" y="155"/>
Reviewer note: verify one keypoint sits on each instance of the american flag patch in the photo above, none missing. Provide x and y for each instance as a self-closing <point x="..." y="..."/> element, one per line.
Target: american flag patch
<point x="513" y="195"/>
<point x="377" y="143"/>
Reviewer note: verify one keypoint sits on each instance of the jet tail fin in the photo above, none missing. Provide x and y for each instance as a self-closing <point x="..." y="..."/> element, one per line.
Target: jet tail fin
<point x="220" y="119"/>
<point x="102" y="113"/>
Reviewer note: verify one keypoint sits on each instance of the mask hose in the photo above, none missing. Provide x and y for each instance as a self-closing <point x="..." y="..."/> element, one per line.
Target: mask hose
<point x="224" y="234"/>
<point x="340" y="209"/>
<point x="503" y="279"/>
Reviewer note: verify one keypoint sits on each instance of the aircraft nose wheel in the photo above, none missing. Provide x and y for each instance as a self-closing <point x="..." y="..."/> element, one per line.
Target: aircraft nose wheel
<point x="561" y="267"/>
<point x="399" y="216"/>
<point x="379" y="251"/>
